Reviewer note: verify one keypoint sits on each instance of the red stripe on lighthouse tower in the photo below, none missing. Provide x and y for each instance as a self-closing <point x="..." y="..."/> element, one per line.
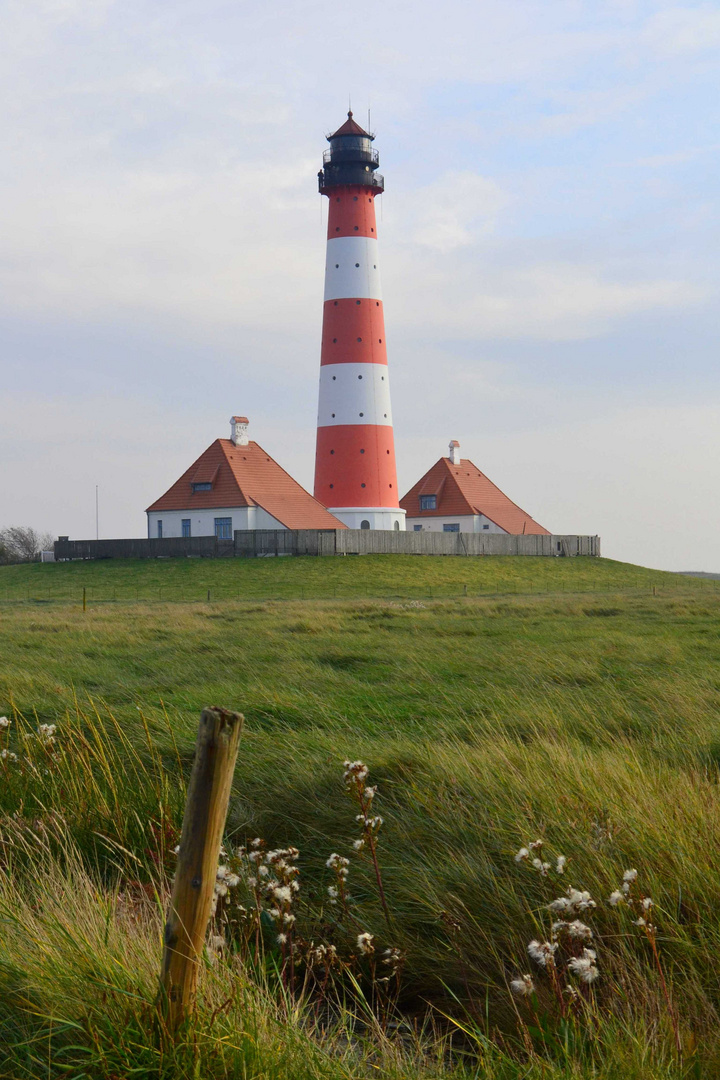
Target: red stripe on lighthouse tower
<point x="355" y="473"/>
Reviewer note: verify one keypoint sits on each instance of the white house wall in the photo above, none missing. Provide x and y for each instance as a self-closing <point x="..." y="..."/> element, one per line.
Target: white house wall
<point x="467" y="522"/>
<point x="203" y="521"/>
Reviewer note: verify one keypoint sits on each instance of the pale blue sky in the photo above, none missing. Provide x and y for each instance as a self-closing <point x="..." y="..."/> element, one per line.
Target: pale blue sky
<point x="549" y="249"/>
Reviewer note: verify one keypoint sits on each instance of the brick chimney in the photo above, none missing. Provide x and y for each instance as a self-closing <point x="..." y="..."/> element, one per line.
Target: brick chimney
<point x="454" y="452"/>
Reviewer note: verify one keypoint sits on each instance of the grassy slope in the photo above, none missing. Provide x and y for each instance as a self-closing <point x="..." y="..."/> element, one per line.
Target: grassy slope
<point x="366" y="576"/>
<point x="592" y="719"/>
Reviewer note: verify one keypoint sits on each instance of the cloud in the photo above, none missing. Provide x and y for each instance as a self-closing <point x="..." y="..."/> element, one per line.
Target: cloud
<point x="452" y="211"/>
<point x="494" y="297"/>
<point x="683" y="30"/>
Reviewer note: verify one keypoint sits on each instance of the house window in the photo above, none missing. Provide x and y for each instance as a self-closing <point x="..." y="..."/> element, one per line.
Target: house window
<point x="453" y="526"/>
<point x="417" y="528"/>
<point x="159" y="530"/>
<point x="223" y="528"/>
<point x="186" y="526"/>
<point x="396" y="526"/>
<point x="428" y="502"/>
<point x="486" y="526"/>
<point x="365" y="524"/>
<point x="202" y="487"/>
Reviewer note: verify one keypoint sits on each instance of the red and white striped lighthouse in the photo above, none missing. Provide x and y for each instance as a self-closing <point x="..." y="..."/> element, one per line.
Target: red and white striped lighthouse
<point x="355" y="459"/>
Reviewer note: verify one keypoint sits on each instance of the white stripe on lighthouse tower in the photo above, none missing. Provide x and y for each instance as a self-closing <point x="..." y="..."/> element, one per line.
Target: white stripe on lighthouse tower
<point x="352" y="268"/>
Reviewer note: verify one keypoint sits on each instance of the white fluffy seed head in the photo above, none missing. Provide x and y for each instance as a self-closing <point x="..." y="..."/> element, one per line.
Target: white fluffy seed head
<point x="365" y="944"/>
<point x="523" y="986"/>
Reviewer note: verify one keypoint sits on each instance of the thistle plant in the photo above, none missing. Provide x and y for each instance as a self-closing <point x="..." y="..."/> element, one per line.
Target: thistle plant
<point x="338" y="893"/>
<point x="642" y="906"/>
<point x="567" y="955"/>
<point x="355" y="777"/>
<point x="6" y="755"/>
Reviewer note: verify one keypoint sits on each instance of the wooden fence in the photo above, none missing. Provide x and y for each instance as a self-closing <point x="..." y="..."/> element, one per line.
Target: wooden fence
<point x="264" y="542"/>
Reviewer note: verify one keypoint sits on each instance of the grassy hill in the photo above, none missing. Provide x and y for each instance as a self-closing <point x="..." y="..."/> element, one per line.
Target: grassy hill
<point x="577" y="700"/>
<point x="329" y="578"/>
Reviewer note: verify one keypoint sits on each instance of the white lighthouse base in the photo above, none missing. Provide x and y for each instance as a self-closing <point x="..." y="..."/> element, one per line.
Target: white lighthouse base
<point x="370" y="517"/>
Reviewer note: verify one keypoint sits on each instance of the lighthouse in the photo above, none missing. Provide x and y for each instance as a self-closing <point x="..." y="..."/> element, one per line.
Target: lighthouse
<point x="355" y="476"/>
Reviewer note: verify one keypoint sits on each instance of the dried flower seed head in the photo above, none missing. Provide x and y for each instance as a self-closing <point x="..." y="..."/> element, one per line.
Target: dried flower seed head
<point x="358" y="845"/>
<point x="579" y="930"/>
<point x="523" y="986"/>
<point x="336" y="862"/>
<point x="536" y="845"/>
<point x="222" y="873"/>
<point x="584" y="966"/>
<point x="281" y="893"/>
<point x="542" y="952"/>
<point x="256" y="843"/>
<point x="579" y="901"/>
<point x="365" y="944"/>
<point x="522" y="854"/>
<point x="4" y="722"/>
<point x="217" y="942"/>
<point x="8" y="755"/>
<point x="281" y="939"/>
<point x="560" y="864"/>
<point x="647" y="903"/>
<point x="356" y="772"/>
<point x="616" y="897"/>
<point x="630" y="875"/>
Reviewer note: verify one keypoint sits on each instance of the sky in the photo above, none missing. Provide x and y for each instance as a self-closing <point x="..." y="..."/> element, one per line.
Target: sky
<point x="549" y="240"/>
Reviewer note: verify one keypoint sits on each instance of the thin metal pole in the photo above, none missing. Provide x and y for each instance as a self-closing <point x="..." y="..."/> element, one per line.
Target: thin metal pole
<point x="97" y="514"/>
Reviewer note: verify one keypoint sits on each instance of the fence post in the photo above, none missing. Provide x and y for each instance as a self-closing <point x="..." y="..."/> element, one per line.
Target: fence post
<point x="203" y="823"/>
<point x="84" y="599"/>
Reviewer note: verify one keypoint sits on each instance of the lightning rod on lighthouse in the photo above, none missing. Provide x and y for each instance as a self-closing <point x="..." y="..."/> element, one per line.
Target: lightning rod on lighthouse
<point x="355" y="475"/>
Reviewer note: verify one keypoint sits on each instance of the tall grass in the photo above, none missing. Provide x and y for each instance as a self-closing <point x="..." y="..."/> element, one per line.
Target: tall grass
<point x="86" y="835"/>
<point x="591" y="724"/>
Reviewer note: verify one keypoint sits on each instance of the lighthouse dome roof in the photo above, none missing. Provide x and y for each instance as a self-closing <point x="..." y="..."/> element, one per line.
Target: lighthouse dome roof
<point x="351" y="127"/>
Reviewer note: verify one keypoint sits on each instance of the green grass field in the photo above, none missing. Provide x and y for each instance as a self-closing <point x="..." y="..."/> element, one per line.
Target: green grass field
<point x="495" y="700"/>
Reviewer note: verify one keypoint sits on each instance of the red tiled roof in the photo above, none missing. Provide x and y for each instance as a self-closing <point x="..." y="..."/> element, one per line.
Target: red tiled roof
<point x="350" y="127"/>
<point x="246" y="476"/>
<point x="463" y="489"/>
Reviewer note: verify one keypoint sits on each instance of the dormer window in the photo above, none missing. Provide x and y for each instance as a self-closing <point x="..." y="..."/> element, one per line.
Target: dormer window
<point x="202" y="487"/>
<point x="428" y="502"/>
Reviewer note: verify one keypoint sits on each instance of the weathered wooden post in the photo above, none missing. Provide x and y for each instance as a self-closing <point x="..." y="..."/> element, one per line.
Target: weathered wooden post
<point x="203" y="823"/>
